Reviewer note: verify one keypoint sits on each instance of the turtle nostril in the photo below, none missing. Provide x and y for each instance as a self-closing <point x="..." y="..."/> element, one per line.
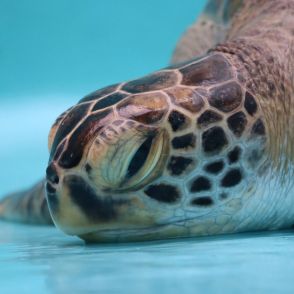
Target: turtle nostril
<point x="51" y="174"/>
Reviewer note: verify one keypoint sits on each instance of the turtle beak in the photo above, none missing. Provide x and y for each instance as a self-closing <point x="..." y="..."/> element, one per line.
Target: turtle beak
<point x="75" y="206"/>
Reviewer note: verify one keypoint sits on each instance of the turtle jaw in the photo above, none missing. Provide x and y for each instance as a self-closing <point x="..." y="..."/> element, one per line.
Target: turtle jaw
<point x="76" y="208"/>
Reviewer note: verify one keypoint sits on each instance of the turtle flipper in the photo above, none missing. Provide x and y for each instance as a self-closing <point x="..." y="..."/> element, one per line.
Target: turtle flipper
<point x="209" y="30"/>
<point x="28" y="206"/>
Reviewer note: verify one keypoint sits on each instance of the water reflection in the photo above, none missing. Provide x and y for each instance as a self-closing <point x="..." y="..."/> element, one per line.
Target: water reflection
<point x="48" y="260"/>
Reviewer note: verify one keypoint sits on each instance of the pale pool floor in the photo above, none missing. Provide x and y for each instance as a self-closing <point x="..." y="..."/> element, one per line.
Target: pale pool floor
<point x="43" y="260"/>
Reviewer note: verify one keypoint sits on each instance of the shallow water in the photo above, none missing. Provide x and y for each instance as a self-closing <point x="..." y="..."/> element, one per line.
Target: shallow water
<point x="67" y="51"/>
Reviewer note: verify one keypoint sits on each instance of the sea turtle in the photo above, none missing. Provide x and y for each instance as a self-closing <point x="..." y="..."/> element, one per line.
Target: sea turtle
<point x="202" y="147"/>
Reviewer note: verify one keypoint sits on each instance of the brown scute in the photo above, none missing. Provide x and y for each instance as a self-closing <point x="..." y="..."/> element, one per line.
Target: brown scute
<point x="234" y="155"/>
<point x="146" y="108"/>
<point x="214" y="69"/>
<point x="68" y="124"/>
<point x="237" y="123"/>
<point x="232" y="178"/>
<point x="99" y="93"/>
<point x="178" y="165"/>
<point x="61" y="117"/>
<point x="156" y="81"/>
<point x="58" y="152"/>
<point x="215" y="167"/>
<point x="109" y="100"/>
<point x="177" y="120"/>
<point x="226" y="97"/>
<point x="214" y="140"/>
<point x="163" y="193"/>
<point x="202" y="201"/>
<point x="72" y="156"/>
<point x="208" y="117"/>
<point x="93" y="206"/>
<point x="250" y="104"/>
<point x="258" y="128"/>
<point x="200" y="184"/>
<point x="186" y="98"/>
<point x="185" y="141"/>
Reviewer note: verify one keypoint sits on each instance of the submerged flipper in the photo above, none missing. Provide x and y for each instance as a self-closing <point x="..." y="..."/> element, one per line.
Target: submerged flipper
<point x="28" y="206"/>
<point x="209" y="29"/>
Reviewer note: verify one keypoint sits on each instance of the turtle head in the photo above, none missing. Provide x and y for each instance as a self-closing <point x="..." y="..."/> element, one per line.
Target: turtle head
<point x="158" y="157"/>
<point x="100" y="162"/>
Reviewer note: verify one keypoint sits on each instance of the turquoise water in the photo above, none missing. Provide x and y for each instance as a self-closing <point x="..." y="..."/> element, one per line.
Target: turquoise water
<point x="54" y="52"/>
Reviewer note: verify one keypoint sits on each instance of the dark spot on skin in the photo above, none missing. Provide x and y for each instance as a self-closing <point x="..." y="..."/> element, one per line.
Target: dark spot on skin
<point x="177" y="120"/>
<point x="99" y="93"/>
<point x="163" y="193"/>
<point x="226" y="97"/>
<point x="200" y="184"/>
<point x="241" y="78"/>
<point x="223" y="196"/>
<point x="68" y="124"/>
<point x="120" y="122"/>
<point x="255" y="156"/>
<point x="232" y="178"/>
<point x="178" y="165"/>
<point x="258" y="128"/>
<point x="109" y="100"/>
<point x="153" y="82"/>
<point x="140" y="157"/>
<point x="208" y="117"/>
<point x="250" y="104"/>
<point x="88" y="168"/>
<point x="234" y="155"/>
<point x="214" y="140"/>
<point x="185" y="141"/>
<point x="93" y="206"/>
<point x="271" y="86"/>
<point x="51" y="174"/>
<point x="84" y="134"/>
<point x="214" y="69"/>
<point x="215" y="167"/>
<point x="237" y="123"/>
<point x="202" y="201"/>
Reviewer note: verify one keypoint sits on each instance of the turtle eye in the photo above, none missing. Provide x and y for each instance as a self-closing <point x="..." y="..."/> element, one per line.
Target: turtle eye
<point x="140" y="157"/>
<point x="128" y="162"/>
<point x="146" y="163"/>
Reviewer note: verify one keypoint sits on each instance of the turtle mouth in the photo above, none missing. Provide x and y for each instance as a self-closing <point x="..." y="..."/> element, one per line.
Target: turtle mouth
<point x="167" y="230"/>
